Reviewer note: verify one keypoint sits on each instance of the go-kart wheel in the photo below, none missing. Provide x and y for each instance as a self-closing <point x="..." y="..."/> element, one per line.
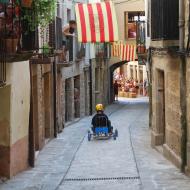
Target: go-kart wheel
<point x="116" y="133"/>
<point x="89" y="136"/>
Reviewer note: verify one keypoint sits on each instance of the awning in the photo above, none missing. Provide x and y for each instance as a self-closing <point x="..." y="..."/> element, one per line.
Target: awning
<point x="96" y="22"/>
<point x="124" y="52"/>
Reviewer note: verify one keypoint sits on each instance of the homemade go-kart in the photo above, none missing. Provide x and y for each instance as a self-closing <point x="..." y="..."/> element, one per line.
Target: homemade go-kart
<point x="101" y="130"/>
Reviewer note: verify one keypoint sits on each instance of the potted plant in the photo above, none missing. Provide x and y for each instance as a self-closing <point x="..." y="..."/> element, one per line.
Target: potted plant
<point x="10" y="30"/>
<point x="26" y="3"/>
<point x="138" y="48"/>
<point x="46" y="50"/>
<point x="41" y="13"/>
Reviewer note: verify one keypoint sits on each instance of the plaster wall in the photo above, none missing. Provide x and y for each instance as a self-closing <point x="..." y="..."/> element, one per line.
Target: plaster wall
<point x="121" y="7"/>
<point x="20" y="100"/>
<point x="14" y="119"/>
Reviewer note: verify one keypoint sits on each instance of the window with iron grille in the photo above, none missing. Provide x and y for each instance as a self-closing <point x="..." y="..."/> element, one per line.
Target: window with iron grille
<point x="164" y="19"/>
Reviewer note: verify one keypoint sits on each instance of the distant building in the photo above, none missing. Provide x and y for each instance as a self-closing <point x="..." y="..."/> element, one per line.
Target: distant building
<point x="131" y="23"/>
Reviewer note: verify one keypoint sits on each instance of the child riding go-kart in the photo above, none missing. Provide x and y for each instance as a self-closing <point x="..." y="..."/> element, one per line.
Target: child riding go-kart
<point x="101" y="125"/>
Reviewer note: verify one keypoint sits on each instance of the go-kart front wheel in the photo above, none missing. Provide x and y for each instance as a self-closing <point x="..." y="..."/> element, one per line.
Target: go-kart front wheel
<point x="89" y="136"/>
<point x="116" y="133"/>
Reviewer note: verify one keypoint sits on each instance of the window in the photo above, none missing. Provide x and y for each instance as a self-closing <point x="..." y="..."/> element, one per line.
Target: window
<point x="164" y="19"/>
<point x="131" y="19"/>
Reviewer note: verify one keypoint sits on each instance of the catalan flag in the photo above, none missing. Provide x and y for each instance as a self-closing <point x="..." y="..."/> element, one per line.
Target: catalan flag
<point x="116" y="49"/>
<point x="128" y="52"/>
<point x="96" y="22"/>
<point x="123" y="51"/>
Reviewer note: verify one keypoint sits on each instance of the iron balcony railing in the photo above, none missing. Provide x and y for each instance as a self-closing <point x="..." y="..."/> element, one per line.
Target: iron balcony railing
<point x="15" y="37"/>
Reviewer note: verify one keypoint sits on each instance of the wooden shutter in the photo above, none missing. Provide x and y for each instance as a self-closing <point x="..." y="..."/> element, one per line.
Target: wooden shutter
<point x="164" y="19"/>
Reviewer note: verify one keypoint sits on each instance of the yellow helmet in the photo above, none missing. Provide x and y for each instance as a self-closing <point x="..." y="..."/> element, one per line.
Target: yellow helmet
<point x="99" y="107"/>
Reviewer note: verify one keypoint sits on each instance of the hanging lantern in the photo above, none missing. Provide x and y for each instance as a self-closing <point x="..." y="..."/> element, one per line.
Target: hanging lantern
<point x="27" y="3"/>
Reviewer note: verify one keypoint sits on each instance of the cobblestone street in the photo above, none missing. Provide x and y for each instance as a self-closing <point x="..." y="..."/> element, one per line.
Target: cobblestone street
<point x="70" y="162"/>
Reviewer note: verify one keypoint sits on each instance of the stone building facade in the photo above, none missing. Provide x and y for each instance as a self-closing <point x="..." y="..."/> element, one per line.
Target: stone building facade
<point x="169" y="69"/>
<point x="41" y="95"/>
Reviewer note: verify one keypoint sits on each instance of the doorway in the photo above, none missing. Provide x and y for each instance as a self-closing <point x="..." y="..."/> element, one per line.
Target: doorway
<point x="68" y="100"/>
<point x="160" y="109"/>
<point x="48" y="103"/>
<point x="77" y="96"/>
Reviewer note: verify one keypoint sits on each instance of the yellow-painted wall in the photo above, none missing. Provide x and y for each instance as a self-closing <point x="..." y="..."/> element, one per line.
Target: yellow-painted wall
<point x="20" y="100"/>
<point x="15" y="104"/>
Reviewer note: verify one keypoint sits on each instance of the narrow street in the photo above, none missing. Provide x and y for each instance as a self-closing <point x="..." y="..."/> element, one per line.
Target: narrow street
<point x="70" y="162"/>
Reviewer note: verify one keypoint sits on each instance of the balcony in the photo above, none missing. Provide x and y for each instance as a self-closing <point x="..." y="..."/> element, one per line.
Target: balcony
<point x="46" y="56"/>
<point x="16" y="42"/>
<point x="74" y="53"/>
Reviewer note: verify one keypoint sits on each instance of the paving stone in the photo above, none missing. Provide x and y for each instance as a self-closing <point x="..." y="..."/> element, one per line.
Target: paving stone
<point x="71" y="156"/>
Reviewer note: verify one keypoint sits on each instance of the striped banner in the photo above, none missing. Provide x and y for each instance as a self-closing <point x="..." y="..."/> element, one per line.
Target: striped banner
<point x="124" y="51"/>
<point x="128" y="52"/>
<point x="116" y="49"/>
<point x="96" y="22"/>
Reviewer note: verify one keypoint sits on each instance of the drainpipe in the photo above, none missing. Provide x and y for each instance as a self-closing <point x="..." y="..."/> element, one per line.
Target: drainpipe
<point x="182" y="86"/>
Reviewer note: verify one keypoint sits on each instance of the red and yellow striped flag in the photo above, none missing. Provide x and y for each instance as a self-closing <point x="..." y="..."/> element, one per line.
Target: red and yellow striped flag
<point x="128" y="52"/>
<point x="116" y="49"/>
<point x="123" y="51"/>
<point x="96" y="22"/>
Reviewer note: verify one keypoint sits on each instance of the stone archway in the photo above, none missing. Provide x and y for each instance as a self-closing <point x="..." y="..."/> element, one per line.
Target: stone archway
<point x="112" y="68"/>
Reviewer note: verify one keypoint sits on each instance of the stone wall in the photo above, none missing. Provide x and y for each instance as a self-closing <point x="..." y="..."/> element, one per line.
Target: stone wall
<point x="74" y="78"/>
<point x="42" y="94"/>
<point x="188" y="114"/>
<point x="100" y="83"/>
<point x="168" y="132"/>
